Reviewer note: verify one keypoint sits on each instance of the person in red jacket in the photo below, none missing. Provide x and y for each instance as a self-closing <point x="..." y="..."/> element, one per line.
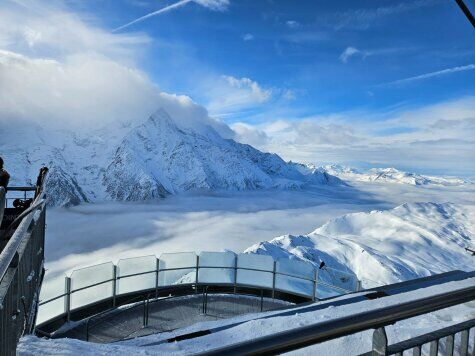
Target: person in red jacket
<point x="4" y="176"/>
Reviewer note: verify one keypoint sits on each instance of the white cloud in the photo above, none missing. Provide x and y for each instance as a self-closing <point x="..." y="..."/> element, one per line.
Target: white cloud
<point x="432" y="74"/>
<point x="364" y="18"/>
<point x="292" y="24"/>
<point x="348" y="53"/>
<point x="39" y="29"/>
<point x="64" y="72"/>
<point x="248" y="37"/>
<point x="228" y="94"/>
<point x="432" y="138"/>
<point x="216" y="5"/>
<point x="250" y="134"/>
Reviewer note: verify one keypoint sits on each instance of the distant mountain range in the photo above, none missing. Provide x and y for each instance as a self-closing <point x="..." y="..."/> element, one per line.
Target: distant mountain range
<point x="152" y="160"/>
<point x="386" y="175"/>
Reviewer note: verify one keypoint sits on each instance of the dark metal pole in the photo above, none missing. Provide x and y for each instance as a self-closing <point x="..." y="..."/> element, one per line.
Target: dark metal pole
<point x="466" y="11"/>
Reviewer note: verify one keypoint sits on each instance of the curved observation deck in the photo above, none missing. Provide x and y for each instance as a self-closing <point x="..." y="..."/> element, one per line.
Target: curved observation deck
<point x="229" y="284"/>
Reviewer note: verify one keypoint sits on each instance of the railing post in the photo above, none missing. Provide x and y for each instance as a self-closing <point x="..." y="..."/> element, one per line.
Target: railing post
<point x="67" y="304"/>
<point x="417" y="351"/>
<point x="434" y="348"/>
<point x="235" y="273"/>
<point x="196" y="276"/>
<point x="449" y="345"/>
<point x="315" y="281"/>
<point x="114" y="284"/>
<point x="156" y="277"/>
<point x="262" y="299"/>
<point x="273" y="280"/>
<point x="464" y="343"/>
<point x="380" y="342"/>
<point x="144" y="322"/>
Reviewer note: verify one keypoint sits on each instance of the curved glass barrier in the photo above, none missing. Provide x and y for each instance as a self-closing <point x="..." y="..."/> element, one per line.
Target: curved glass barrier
<point x="96" y="283"/>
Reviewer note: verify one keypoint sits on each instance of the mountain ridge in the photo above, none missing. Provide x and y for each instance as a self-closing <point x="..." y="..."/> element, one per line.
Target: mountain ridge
<point x="151" y="160"/>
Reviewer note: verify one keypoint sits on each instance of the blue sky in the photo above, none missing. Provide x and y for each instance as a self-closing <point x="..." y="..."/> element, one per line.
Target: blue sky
<point x="297" y="47"/>
<point x="365" y="83"/>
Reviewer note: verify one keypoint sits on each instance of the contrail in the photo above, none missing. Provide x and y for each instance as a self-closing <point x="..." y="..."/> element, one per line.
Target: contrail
<point x="432" y="74"/>
<point x="155" y="13"/>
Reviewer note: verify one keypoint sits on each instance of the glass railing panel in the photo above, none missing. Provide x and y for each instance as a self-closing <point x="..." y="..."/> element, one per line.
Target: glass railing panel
<point x="224" y="275"/>
<point x="254" y="278"/>
<point x="182" y="265"/>
<point x="294" y="285"/>
<point x="295" y="268"/>
<point x="327" y="291"/>
<point x="51" y="288"/>
<point x="262" y="262"/>
<point x="50" y="310"/>
<point x="88" y="276"/>
<point x="136" y="265"/>
<point x="338" y="278"/>
<point x="217" y="259"/>
<point x="247" y="266"/>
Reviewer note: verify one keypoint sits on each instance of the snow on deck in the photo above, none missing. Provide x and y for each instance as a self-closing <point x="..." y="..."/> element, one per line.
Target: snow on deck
<point x="273" y="322"/>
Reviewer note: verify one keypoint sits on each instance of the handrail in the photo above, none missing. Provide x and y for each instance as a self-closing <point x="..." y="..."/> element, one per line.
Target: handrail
<point x="22" y="189"/>
<point x="8" y="253"/>
<point x="297" y="338"/>
<point x="400" y="347"/>
<point x="2" y="203"/>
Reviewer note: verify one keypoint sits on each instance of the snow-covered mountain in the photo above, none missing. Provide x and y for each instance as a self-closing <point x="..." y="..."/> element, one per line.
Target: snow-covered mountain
<point x="381" y="247"/>
<point x="154" y="159"/>
<point x="387" y="175"/>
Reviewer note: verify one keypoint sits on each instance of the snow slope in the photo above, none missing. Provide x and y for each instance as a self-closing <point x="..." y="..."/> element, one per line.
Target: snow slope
<point x="159" y="157"/>
<point x="387" y="175"/>
<point x="380" y="247"/>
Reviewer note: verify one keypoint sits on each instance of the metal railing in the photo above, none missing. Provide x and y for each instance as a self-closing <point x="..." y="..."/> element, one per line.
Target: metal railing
<point x="25" y="192"/>
<point x="3" y="202"/>
<point x="215" y="269"/>
<point x="21" y="271"/>
<point x="376" y="319"/>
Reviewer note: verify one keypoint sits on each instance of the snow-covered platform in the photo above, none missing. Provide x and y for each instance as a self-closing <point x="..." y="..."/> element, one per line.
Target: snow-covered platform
<point x="165" y="315"/>
<point x="251" y="328"/>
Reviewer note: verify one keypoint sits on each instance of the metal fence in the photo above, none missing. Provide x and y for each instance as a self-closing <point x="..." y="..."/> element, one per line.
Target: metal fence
<point x="3" y="202"/>
<point x="110" y="282"/>
<point x="377" y="319"/>
<point x="21" y="272"/>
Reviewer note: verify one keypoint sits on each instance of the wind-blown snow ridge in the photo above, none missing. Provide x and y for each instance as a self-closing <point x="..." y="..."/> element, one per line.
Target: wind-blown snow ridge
<point x="161" y="156"/>
<point x="381" y="247"/>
